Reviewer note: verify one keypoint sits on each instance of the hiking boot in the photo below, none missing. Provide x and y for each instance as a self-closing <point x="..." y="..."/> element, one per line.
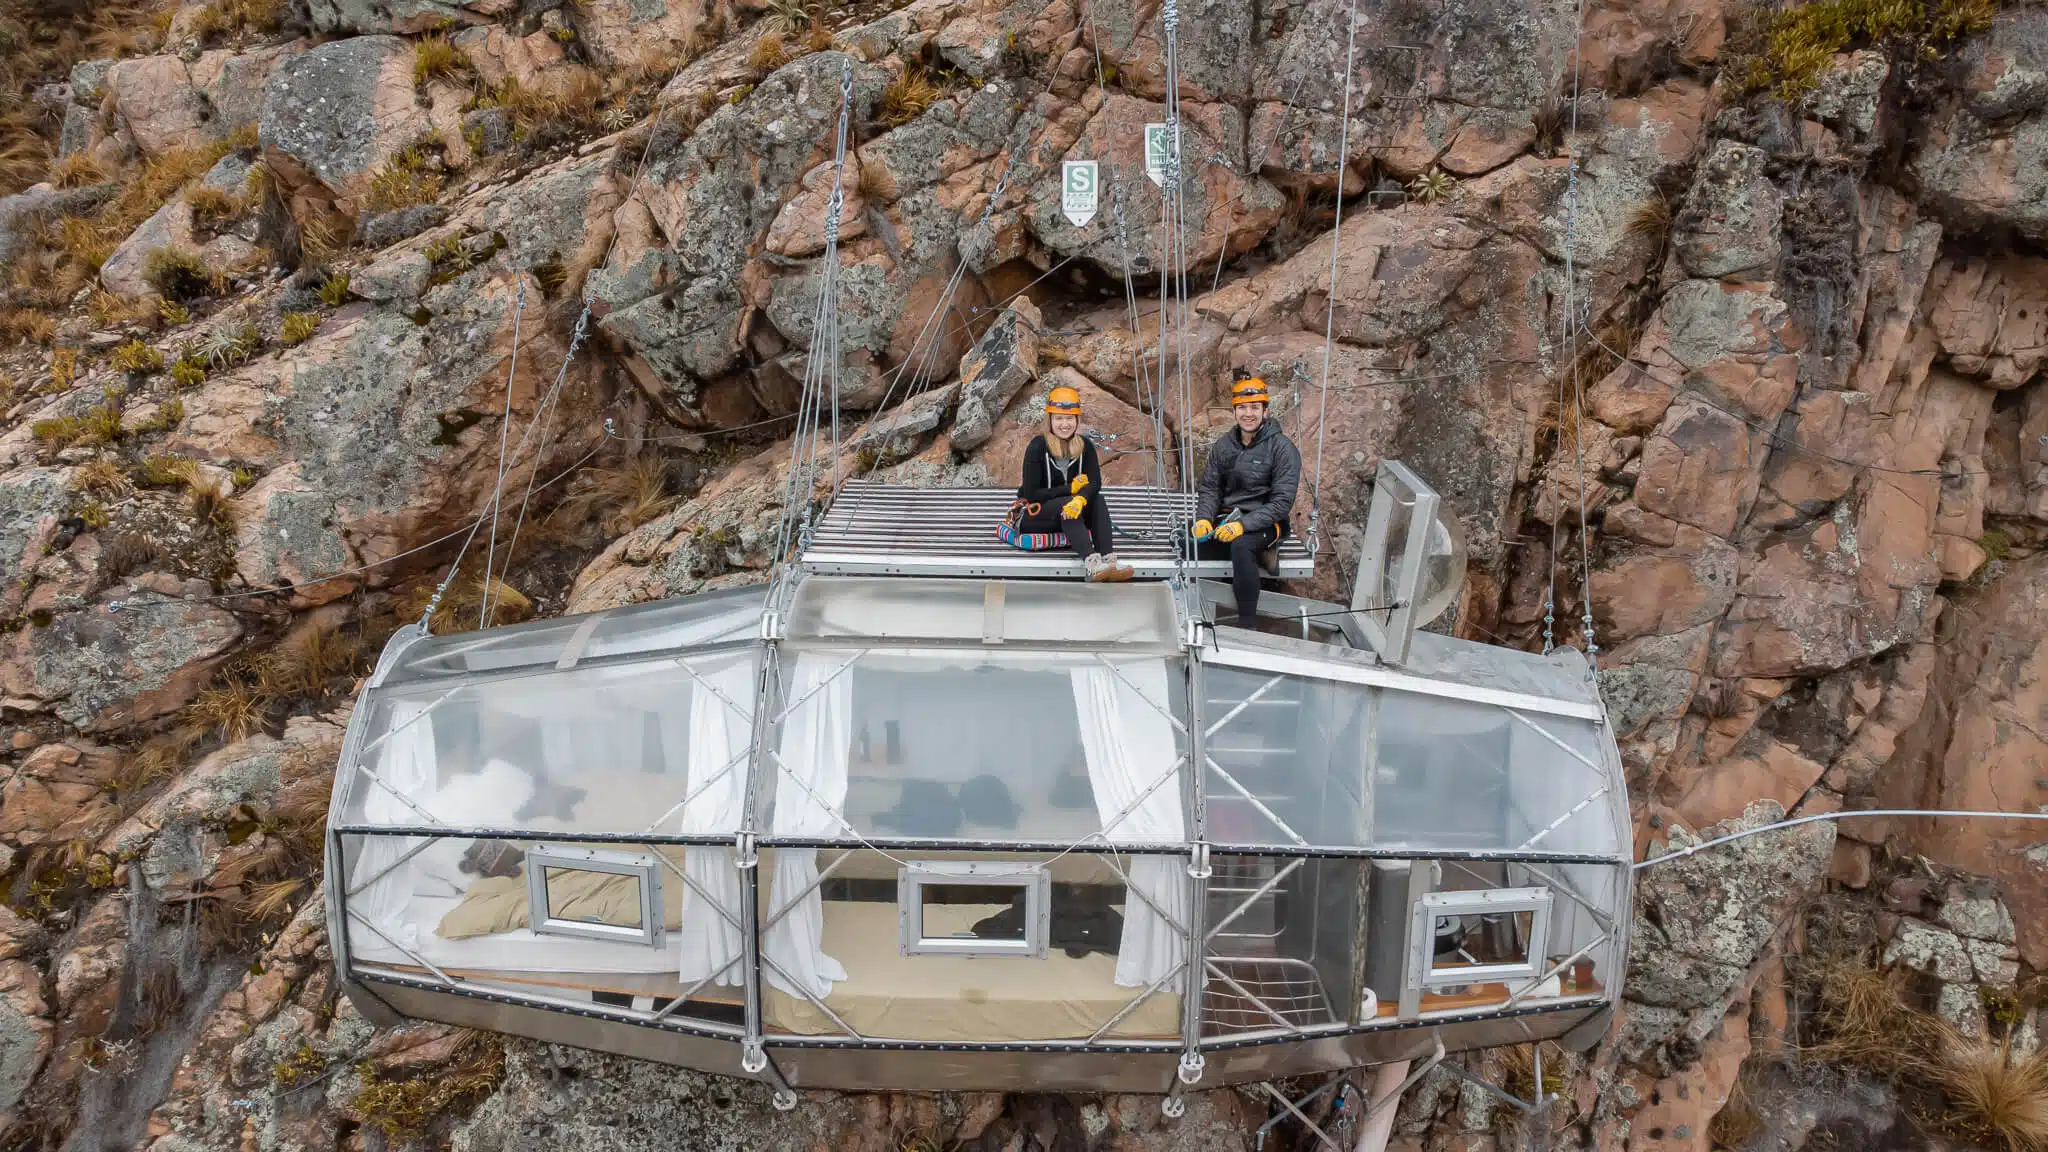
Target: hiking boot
<point x="1102" y="571"/>
<point x="1269" y="561"/>
<point x="1118" y="570"/>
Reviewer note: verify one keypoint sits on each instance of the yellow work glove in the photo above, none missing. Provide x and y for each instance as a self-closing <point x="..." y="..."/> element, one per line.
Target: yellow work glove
<point x="1229" y="532"/>
<point x="1072" y="509"/>
<point x="1203" y="530"/>
<point x="1079" y="483"/>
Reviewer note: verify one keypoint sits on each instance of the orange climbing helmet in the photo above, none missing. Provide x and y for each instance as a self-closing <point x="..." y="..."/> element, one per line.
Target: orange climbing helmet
<point x="1250" y="390"/>
<point x="1063" y="401"/>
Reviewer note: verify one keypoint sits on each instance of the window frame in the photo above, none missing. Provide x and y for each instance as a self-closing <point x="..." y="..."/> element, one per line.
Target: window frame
<point x="642" y="866"/>
<point x="1034" y="878"/>
<point x="1422" y="970"/>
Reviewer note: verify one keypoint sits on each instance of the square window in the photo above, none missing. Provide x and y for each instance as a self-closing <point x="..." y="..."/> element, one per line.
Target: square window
<point x="1487" y="937"/>
<point x="974" y="908"/>
<point x="577" y="892"/>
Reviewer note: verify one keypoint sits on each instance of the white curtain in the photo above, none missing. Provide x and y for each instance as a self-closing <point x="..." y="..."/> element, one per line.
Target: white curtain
<point x="407" y="764"/>
<point x="1135" y="772"/>
<point x="810" y="795"/>
<point x="718" y="735"/>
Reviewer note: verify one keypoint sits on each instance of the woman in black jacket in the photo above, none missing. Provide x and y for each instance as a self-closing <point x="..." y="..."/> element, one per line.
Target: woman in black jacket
<point x="1062" y="486"/>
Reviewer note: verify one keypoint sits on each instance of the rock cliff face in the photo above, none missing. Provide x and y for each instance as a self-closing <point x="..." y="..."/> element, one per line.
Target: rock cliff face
<point x="1722" y="336"/>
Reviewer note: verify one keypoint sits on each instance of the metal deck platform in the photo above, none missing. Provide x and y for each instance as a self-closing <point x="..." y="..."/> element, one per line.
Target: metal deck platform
<point x="877" y="529"/>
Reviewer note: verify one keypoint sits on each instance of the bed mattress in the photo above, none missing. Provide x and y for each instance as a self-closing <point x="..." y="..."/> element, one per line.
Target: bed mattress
<point x="967" y="998"/>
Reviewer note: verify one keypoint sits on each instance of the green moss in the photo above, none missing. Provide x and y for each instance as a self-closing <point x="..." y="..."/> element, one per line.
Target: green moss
<point x="1796" y="45"/>
<point x="302" y="1065"/>
<point x="1996" y="544"/>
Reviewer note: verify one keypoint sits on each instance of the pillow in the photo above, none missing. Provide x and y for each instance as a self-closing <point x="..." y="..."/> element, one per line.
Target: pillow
<point x="489" y="798"/>
<point x="498" y="904"/>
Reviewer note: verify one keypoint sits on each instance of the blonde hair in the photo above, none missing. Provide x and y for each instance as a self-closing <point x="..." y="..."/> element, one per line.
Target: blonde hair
<point x="1068" y="449"/>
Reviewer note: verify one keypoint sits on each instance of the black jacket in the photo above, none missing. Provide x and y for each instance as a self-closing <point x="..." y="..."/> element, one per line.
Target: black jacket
<point x="1048" y="479"/>
<point x="1257" y="481"/>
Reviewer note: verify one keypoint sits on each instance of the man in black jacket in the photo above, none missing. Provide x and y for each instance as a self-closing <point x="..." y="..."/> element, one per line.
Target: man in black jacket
<point x="1249" y="484"/>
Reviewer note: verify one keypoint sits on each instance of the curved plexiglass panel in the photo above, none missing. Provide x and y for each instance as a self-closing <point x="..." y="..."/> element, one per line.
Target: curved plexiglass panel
<point x="657" y="747"/>
<point x="661" y="626"/>
<point x="983" y="611"/>
<point x="984" y="747"/>
<point x="1301" y="761"/>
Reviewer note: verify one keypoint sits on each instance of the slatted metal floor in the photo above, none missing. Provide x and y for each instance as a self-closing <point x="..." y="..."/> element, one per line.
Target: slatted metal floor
<point x="875" y="529"/>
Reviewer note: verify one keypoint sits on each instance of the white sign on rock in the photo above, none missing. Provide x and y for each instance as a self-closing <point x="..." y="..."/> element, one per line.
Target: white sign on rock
<point x="1159" y="149"/>
<point x="1080" y="191"/>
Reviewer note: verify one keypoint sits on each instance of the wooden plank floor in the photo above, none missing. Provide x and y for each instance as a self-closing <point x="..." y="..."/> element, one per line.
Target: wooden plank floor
<point x="875" y="529"/>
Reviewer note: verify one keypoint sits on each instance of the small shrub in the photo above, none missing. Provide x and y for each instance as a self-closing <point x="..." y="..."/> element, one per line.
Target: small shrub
<point x="437" y="57"/>
<point x="57" y="431"/>
<point x="211" y="507"/>
<point x="334" y="289"/>
<point x="173" y="313"/>
<point x="297" y="328"/>
<point x="101" y="476"/>
<point x="1996" y="544"/>
<point x="63" y="368"/>
<point x="165" y="471"/>
<point x="564" y="35"/>
<point x="137" y="359"/>
<point x="406" y="180"/>
<point x="94" y="514"/>
<point x="179" y="274"/>
<point x="188" y="373"/>
<point x="908" y="96"/>
<point x="818" y="39"/>
<point x="211" y="207"/>
<point x="101" y="425"/>
<point x="168" y="415"/>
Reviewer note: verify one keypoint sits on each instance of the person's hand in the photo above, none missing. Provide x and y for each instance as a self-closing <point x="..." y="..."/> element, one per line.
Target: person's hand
<point x="1202" y="530"/>
<point x="1073" y="508"/>
<point x="1229" y="532"/>
<point x="1079" y="483"/>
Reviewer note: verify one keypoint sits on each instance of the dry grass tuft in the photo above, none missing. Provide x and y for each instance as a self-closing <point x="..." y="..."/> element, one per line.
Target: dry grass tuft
<point x="1996" y="1099"/>
<point x="212" y="207"/>
<point x="1652" y="221"/>
<point x="224" y="18"/>
<point x="102" y="476"/>
<point x="769" y="53"/>
<point x="908" y="96"/>
<point x="27" y="326"/>
<point x="76" y="171"/>
<point x="620" y="499"/>
<point x="165" y="471"/>
<point x="436" y="57"/>
<point x="232" y="711"/>
<point x="211" y="507"/>
<point x="108" y="310"/>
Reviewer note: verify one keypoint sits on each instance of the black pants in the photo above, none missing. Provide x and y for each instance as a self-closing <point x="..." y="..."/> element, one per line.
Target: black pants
<point x="1243" y="554"/>
<point x="1087" y="535"/>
